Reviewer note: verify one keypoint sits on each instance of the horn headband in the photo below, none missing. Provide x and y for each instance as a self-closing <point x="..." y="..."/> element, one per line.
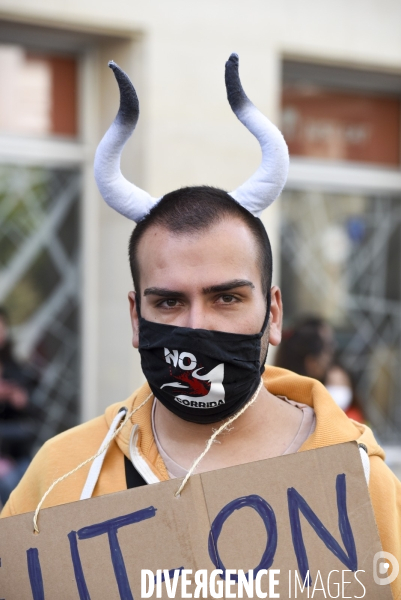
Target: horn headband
<point x="256" y="194"/>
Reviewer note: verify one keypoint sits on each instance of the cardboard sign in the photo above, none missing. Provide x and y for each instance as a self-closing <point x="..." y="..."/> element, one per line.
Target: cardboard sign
<point x="276" y="524"/>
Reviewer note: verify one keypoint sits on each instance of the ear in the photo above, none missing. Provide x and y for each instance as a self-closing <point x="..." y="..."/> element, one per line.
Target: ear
<point x="134" y="319"/>
<point x="276" y="316"/>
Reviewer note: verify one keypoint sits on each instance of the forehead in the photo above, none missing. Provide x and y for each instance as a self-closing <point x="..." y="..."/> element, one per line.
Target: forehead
<point x="226" y="250"/>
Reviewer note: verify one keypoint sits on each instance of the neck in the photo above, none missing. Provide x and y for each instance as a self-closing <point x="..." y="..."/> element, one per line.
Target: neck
<point x="261" y="428"/>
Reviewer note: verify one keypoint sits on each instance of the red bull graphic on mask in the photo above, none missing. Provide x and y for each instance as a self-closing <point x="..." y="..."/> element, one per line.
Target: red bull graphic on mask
<point x="194" y="387"/>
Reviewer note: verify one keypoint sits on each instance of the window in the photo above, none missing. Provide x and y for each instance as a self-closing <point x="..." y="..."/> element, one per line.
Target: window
<point x="38" y="93"/>
<point x="341" y="223"/>
<point x="341" y="125"/>
<point x="40" y="197"/>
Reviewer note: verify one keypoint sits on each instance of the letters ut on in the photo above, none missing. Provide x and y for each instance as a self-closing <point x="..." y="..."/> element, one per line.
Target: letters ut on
<point x="296" y="505"/>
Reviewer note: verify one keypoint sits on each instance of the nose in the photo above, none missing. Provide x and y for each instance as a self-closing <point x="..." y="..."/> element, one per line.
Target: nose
<point x="197" y="317"/>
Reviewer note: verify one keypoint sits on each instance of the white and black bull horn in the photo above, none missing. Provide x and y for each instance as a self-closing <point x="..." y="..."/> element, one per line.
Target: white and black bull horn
<point x="265" y="185"/>
<point x="125" y="197"/>
<point x="255" y="194"/>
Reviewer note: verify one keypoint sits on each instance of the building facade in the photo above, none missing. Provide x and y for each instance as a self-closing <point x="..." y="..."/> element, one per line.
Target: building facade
<point x="64" y="272"/>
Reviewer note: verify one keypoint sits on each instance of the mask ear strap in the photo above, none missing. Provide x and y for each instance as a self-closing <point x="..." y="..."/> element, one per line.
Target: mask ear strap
<point x="138" y="304"/>
<point x="265" y="324"/>
<point x="269" y="285"/>
<point x="267" y="315"/>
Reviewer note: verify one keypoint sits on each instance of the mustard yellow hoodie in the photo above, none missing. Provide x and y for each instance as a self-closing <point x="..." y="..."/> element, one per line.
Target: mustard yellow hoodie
<point x="64" y="452"/>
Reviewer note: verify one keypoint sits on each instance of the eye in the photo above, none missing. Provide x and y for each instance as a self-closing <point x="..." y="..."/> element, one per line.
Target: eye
<point x="228" y="298"/>
<point x="169" y="303"/>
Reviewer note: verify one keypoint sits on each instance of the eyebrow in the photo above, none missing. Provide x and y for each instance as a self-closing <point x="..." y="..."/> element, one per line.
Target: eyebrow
<point x="221" y="287"/>
<point x="228" y="285"/>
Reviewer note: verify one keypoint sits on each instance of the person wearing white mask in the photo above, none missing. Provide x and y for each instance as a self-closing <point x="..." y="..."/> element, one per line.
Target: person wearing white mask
<point x="339" y="385"/>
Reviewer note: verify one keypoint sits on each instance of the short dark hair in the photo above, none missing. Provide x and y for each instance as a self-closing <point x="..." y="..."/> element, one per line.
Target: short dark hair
<point x="194" y="209"/>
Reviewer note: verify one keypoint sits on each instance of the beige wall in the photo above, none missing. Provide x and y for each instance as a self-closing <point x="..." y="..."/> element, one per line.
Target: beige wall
<point x="175" y="52"/>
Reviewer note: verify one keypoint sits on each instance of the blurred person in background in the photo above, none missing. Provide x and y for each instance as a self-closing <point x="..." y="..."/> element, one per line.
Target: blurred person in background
<point x="341" y="388"/>
<point x="17" y="419"/>
<point x="309" y="349"/>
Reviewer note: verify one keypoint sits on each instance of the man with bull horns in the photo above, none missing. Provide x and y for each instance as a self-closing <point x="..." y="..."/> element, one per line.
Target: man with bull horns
<point x="203" y="315"/>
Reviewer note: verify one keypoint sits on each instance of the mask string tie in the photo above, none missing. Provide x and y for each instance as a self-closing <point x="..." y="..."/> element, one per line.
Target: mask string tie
<point x="214" y="436"/>
<point x="102" y="449"/>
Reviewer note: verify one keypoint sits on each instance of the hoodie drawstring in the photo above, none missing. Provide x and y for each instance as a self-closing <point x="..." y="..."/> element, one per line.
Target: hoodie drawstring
<point x="363" y="451"/>
<point x="102" y="451"/>
<point x="97" y="464"/>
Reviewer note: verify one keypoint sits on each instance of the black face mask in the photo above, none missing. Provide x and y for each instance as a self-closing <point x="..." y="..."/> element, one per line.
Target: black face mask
<point x="200" y="375"/>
